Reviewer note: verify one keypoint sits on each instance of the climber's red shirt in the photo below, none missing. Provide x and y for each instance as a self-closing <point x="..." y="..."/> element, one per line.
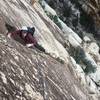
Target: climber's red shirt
<point x="28" y="39"/>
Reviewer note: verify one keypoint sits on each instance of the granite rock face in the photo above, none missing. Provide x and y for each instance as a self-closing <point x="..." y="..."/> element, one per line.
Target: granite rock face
<point x="28" y="74"/>
<point x="84" y="51"/>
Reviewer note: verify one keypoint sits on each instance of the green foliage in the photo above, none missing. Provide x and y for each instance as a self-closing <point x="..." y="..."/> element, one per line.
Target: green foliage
<point x="60" y="60"/>
<point x="89" y="66"/>
<point x="41" y="3"/>
<point x="55" y="19"/>
<point x="80" y="58"/>
<point x="52" y="17"/>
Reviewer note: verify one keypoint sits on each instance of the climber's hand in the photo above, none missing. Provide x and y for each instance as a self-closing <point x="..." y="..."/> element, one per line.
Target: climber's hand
<point x="9" y="35"/>
<point x="29" y="45"/>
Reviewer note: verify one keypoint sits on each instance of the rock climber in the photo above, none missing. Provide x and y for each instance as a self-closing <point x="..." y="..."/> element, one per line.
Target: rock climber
<point x="26" y="36"/>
